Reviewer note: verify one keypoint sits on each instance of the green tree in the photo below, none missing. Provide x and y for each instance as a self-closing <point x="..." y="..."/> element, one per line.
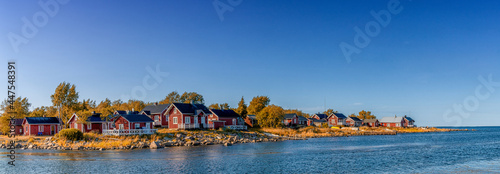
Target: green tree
<point x="271" y="116"/>
<point x="257" y="104"/>
<point x="172" y="97"/>
<point x="65" y="99"/>
<point x="242" y="108"/>
<point x="366" y="115"/>
<point x="192" y="97"/>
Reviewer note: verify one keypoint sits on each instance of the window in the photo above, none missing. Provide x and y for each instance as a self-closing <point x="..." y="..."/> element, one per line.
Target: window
<point x="40" y="128"/>
<point x="147" y="125"/>
<point x="234" y="121"/>
<point x="120" y="126"/>
<point x="89" y="126"/>
<point x="195" y="120"/>
<point x="157" y="118"/>
<point x="175" y="120"/>
<point x="137" y="125"/>
<point x="175" y="111"/>
<point x="187" y="120"/>
<point x="75" y="126"/>
<point x="166" y="118"/>
<point x="20" y="130"/>
<point x="202" y="119"/>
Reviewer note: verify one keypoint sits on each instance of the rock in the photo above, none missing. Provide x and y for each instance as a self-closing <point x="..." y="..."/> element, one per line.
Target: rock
<point x="101" y="149"/>
<point x="228" y="144"/>
<point x="132" y="147"/>
<point x="154" y="145"/>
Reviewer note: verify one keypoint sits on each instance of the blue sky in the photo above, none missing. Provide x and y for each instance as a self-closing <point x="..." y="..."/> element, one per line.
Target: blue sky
<point x="428" y="58"/>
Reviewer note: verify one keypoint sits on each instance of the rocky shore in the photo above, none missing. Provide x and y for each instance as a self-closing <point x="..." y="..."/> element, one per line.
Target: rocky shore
<point x="168" y="140"/>
<point x="203" y="138"/>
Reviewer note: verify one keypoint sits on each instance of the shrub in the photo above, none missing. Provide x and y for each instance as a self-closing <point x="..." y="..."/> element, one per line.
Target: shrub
<point x="70" y="134"/>
<point x="31" y="140"/>
<point x="324" y="125"/>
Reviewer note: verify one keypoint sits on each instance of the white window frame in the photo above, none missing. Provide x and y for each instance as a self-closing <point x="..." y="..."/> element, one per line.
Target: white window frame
<point x="137" y="125"/>
<point x="157" y="118"/>
<point x="187" y="120"/>
<point x="121" y="126"/>
<point x="175" y="120"/>
<point x="40" y="128"/>
<point x="166" y="117"/>
<point x="89" y="126"/>
<point x="75" y="125"/>
<point x="195" y="120"/>
<point x="147" y="125"/>
<point x="234" y="121"/>
<point x="20" y="130"/>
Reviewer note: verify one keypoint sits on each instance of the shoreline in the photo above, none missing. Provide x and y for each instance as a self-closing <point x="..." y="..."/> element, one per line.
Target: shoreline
<point x="165" y="138"/>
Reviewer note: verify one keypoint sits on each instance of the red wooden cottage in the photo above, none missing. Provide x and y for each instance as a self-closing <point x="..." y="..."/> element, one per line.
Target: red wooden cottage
<point x="158" y="113"/>
<point x="337" y="119"/>
<point x="187" y="116"/>
<point x="320" y="116"/>
<point x="354" y="121"/>
<point x="93" y="123"/>
<point x="371" y="122"/>
<point x="225" y="118"/>
<point x="133" y="121"/>
<point x="290" y="119"/>
<point x="409" y="122"/>
<point x="303" y="121"/>
<point x="392" y="121"/>
<point x="18" y="126"/>
<point x="41" y="125"/>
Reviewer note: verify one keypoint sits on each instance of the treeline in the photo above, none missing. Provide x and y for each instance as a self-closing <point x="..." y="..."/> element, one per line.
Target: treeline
<point x="65" y="102"/>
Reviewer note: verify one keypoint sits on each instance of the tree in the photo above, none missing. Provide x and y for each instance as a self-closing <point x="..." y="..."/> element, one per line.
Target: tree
<point x="65" y="98"/>
<point x="172" y="97"/>
<point x="39" y="112"/>
<point x="242" y="108"/>
<point x="257" y="104"/>
<point x="271" y="116"/>
<point x="105" y="108"/>
<point x="296" y="111"/>
<point x="83" y="115"/>
<point x="192" y="97"/>
<point x="353" y="115"/>
<point x="21" y="108"/>
<point x="223" y="106"/>
<point x="330" y="112"/>
<point x="366" y="115"/>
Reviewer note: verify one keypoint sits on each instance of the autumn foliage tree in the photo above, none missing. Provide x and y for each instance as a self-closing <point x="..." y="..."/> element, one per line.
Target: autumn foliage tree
<point x="271" y="116"/>
<point x="257" y="104"/>
<point x="330" y="112"/>
<point x="65" y="99"/>
<point x="242" y="108"/>
<point x="223" y="106"/>
<point x="19" y="109"/>
<point x="366" y="115"/>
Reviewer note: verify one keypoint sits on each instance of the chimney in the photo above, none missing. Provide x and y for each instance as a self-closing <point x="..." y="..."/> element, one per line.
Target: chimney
<point x="156" y="103"/>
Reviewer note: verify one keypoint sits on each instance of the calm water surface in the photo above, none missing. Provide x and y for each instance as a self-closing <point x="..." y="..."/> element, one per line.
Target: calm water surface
<point x="450" y="152"/>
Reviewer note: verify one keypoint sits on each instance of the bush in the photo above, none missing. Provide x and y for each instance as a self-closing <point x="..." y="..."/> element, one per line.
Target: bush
<point x="31" y="140"/>
<point x="70" y="134"/>
<point x="324" y="125"/>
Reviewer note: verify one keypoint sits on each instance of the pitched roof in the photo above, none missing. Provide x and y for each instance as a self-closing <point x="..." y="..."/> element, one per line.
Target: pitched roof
<point x="191" y="108"/>
<point x="370" y="120"/>
<point x="137" y="118"/>
<point x="355" y="118"/>
<point x="316" y="120"/>
<point x="409" y="119"/>
<point x="18" y="121"/>
<point x="42" y="120"/>
<point x="321" y="116"/>
<point x="225" y="113"/>
<point x="391" y="120"/>
<point x="156" y="109"/>
<point x="290" y="116"/>
<point x="120" y="112"/>
<point x="252" y="116"/>
<point x="95" y="118"/>
<point x="339" y="115"/>
<point x="302" y="118"/>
